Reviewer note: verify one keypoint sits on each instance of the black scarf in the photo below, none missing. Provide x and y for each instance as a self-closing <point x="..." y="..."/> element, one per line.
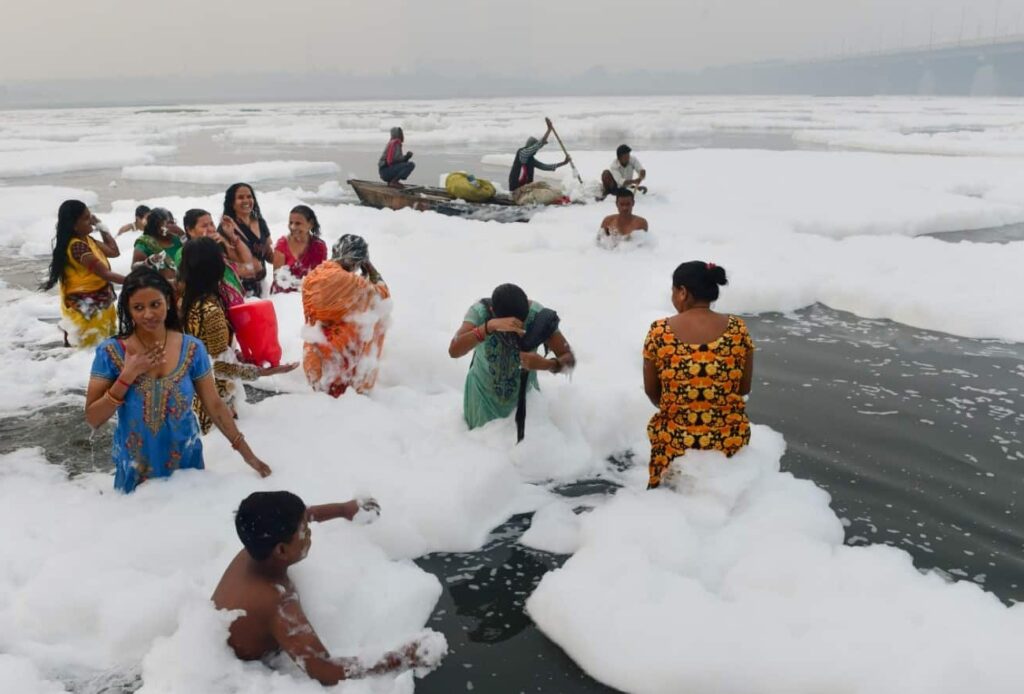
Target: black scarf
<point x="545" y="324"/>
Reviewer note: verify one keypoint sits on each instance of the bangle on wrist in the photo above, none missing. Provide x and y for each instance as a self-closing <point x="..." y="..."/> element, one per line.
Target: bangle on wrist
<point x="123" y="382"/>
<point x="110" y="396"/>
<point x="557" y="366"/>
<point x="487" y="330"/>
<point x="237" y="441"/>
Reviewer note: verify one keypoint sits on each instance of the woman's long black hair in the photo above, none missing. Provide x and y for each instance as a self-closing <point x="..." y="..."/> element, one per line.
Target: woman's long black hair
<point x="144" y="277"/>
<point x="201" y="271"/>
<point x="156" y="220"/>
<point x="229" y="202"/>
<point x="67" y="216"/>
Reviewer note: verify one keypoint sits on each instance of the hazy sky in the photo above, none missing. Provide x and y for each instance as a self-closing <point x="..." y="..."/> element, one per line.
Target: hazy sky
<point x="61" y="39"/>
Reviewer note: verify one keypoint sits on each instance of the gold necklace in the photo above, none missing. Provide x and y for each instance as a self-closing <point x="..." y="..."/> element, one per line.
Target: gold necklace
<point x="153" y="346"/>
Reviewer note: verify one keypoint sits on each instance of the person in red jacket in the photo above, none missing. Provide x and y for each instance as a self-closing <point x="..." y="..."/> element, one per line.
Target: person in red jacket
<point x="394" y="166"/>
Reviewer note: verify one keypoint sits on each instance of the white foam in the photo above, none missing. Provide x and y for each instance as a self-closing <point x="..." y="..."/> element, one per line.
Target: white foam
<point x="229" y="173"/>
<point x="553" y="528"/>
<point x="740" y="582"/>
<point x="791" y="228"/>
<point x="998" y="142"/>
<point x="20" y="675"/>
<point x="29" y="215"/>
<point x="76" y="157"/>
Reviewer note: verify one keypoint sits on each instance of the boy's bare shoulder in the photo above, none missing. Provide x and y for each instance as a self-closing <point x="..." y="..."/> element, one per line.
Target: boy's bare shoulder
<point x="240" y="589"/>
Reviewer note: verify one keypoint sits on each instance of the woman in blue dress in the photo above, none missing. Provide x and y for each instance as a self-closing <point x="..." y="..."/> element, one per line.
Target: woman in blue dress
<point x="148" y="375"/>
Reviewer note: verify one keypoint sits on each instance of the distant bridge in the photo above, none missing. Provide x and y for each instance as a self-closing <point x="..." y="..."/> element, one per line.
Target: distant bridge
<point x="991" y="67"/>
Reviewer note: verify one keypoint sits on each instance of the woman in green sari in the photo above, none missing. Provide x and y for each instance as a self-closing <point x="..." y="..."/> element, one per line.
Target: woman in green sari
<point x="501" y="331"/>
<point x="238" y="262"/>
<point x="159" y="244"/>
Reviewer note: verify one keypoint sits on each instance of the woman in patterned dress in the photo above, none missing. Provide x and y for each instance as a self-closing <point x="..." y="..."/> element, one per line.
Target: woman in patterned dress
<point x="148" y="375"/>
<point x="80" y="266"/>
<point x="204" y="315"/>
<point x="698" y="365"/>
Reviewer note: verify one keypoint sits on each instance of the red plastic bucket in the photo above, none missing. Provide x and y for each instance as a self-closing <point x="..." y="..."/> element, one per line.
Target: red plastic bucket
<point x="255" y="324"/>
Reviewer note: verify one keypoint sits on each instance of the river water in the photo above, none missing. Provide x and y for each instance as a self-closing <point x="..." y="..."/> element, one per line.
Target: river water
<point x="915" y="434"/>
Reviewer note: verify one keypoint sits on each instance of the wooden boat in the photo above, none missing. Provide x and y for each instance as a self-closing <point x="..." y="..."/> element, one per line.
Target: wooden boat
<point x="500" y="208"/>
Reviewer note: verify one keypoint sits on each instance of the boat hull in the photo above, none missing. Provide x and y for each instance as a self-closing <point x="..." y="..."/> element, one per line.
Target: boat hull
<point x="424" y="198"/>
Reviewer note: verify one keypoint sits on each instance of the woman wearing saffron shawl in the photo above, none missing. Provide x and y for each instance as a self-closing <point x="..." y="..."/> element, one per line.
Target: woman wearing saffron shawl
<point x="345" y="301"/>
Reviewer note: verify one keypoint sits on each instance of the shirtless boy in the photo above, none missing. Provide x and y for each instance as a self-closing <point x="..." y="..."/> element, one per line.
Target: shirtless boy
<point x="274" y="528"/>
<point x="141" y="212"/>
<point x="625" y="222"/>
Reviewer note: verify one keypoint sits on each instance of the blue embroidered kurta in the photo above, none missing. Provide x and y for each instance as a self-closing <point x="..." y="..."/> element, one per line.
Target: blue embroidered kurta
<point x="156" y="432"/>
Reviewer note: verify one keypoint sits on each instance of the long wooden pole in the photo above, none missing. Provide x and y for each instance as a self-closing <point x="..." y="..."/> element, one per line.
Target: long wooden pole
<point x="566" y="152"/>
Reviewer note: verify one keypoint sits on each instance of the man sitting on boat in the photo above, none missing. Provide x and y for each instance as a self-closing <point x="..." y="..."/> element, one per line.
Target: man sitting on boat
<point x="625" y="172"/>
<point x="520" y="178"/>
<point x="394" y="166"/>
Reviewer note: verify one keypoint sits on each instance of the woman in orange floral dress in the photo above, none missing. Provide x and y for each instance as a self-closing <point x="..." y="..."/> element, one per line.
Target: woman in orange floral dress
<point x="698" y="366"/>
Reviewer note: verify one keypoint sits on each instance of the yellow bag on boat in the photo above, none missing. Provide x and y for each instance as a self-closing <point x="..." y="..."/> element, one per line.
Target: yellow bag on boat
<point x="466" y="187"/>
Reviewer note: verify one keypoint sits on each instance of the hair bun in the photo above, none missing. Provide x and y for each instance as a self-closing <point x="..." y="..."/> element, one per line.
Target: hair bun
<point x="716" y="274"/>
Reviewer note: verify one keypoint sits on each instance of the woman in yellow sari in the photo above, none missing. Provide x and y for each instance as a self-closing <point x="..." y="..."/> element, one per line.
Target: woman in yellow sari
<point x="343" y="299"/>
<point x="81" y="268"/>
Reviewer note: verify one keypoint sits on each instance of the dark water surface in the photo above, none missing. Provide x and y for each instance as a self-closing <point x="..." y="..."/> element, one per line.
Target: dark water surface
<point x="916" y="434"/>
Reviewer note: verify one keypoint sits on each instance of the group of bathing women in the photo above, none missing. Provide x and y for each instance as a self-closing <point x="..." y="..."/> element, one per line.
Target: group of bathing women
<point x="172" y="315"/>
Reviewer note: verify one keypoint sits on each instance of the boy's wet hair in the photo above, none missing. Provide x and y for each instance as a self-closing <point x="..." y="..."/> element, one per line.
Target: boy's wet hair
<point x="624" y="193"/>
<point x="141" y="211"/>
<point x="266" y="519"/>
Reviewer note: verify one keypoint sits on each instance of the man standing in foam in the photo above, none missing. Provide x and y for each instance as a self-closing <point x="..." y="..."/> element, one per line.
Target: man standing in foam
<point x="393" y="166"/>
<point x="622" y="225"/>
<point x="520" y="177"/>
<point x="274" y="528"/>
<point x="622" y="171"/>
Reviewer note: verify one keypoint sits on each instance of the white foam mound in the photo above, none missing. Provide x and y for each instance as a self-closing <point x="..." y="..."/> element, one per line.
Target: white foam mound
<point x="996" y="142"/>
<point x="21" y="675"/>
<point x="29" y="215"/>
<point x="80" y="156"/>
<point x="553" y="528"/>
<point x="196" y="658"/>
<point x="141" y="589"/>
<point x="229" y="173"/>
<point x="739" y="581"/>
